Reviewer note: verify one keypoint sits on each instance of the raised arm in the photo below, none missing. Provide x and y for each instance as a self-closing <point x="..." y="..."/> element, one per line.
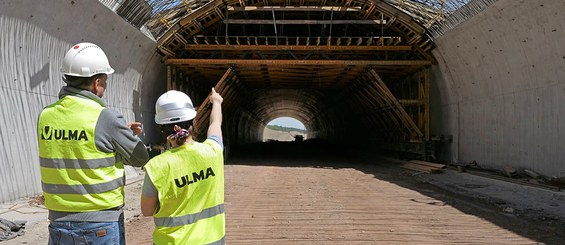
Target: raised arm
<point x="215" y="127"/>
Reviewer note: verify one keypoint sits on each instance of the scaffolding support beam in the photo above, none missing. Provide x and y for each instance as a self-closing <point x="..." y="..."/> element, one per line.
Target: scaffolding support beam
<point x="296" y="47"/>
<point x="303" y="22"/>
<point x="297" y="62"/>
<point x="295" y="8"/>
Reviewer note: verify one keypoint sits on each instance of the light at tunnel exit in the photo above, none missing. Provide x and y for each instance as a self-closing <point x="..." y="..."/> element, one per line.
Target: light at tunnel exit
<point x="284" y="129"/>
<point x="288" y="122"/>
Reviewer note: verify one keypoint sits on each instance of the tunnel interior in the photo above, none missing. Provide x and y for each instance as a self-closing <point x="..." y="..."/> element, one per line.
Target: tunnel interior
<point x="354" y="72"/>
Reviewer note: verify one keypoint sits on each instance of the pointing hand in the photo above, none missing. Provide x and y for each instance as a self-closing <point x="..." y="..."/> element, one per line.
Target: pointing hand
<point x="136" y="128"/>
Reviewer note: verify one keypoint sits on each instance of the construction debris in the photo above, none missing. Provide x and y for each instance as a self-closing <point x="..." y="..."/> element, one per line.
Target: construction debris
<point x="540" y="183"/>
<point x="508" y="210"/>
<point x="11" y="229"/>
<point x="509" y="171"/>
<point x="422" y="166"/>
<point x="532" y="174"/>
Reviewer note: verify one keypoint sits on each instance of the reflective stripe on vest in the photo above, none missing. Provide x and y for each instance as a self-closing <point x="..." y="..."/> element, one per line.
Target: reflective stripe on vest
<point x="190" y="183"/>
<point x="77" y="163"/>
<point x="83" y="189"/>
<point x="189" y="218"/>
<point x="75" y="175"/>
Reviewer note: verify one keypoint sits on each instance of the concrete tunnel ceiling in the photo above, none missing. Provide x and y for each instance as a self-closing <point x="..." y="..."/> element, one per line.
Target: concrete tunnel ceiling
<point x="341" y="67"/>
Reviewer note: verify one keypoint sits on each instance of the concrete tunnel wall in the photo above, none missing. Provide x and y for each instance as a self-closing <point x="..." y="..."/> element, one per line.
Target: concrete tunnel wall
<point x="499" y="88"/>
<point x="35" y="36"/>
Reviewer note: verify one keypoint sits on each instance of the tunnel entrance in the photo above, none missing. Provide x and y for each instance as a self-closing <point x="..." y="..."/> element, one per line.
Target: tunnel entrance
<point x="354" y="72"/>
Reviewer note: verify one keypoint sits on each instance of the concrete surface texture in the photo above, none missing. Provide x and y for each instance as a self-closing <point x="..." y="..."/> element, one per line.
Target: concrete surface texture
<point x="285" y="199"/>
<point x="500" y="93"/>
<point x="35" y="37"/>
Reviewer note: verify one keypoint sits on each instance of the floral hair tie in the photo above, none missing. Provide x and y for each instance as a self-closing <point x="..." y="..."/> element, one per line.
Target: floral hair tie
<point x="180" y="131"/>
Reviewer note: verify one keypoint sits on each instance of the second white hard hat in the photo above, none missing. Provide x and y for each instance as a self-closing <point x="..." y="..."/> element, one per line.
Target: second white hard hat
<point x="174" y="106"/>
<point x="86" y="60"/>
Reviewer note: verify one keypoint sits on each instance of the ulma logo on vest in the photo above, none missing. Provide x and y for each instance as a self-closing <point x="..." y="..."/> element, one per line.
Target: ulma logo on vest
<point x="63" y="134"/>
<point x="195" y="177"/>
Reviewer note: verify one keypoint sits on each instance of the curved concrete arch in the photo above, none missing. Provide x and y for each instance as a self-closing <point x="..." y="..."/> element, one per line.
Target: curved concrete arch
<point x="272" y="104"/>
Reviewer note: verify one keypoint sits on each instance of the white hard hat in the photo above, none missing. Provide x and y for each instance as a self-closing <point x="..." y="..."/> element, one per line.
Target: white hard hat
<point x="173" y="106"/>
<point x="86" y="60"/>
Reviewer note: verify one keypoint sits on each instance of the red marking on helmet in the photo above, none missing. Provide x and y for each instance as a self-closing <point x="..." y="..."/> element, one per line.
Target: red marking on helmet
<point x="75" y="47"/>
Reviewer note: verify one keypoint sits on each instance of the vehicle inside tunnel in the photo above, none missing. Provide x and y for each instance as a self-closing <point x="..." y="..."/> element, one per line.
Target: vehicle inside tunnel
<point x="285" y="129"/>
<point x="351" y="71"/>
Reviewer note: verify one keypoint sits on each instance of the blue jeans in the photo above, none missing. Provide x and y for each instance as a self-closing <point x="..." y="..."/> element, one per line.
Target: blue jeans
<point x="65" y="232"/>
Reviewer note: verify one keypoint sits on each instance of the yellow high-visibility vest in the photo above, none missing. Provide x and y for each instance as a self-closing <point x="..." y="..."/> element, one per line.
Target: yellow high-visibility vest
<point x="75" y="175"/>
<point x="190" y="183"/>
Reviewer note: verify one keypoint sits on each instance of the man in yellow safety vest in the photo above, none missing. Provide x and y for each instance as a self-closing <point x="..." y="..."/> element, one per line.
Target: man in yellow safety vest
<point x="82" y="148"/>
<point x="184" y="187"/>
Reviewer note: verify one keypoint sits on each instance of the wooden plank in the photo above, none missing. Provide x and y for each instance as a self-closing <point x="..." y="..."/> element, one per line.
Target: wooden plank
<point x="302" y="22"/>
<point x="296" y="47"/>
<point x="297" y="62"/>
<point x="204" y="107"/>
<point x="421" y="168"/>
<point x="412" y="102"/>
<point x="429" y="164"/>
<point x="227" y="92"/>
<point x="295" y="8"/>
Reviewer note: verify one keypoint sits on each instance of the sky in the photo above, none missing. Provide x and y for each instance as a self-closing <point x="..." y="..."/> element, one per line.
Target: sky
<point x="288" y="122"/>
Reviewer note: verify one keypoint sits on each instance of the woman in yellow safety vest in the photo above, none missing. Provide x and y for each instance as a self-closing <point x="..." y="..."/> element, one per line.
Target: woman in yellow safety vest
<point x="184" y="187"/>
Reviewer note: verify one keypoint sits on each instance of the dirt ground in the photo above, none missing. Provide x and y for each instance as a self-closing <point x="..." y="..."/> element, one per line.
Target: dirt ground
<point x="292" y="193"/>
<point x="323" y="196"/>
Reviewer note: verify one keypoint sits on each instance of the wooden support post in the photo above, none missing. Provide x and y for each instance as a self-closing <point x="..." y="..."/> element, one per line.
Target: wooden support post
<point x="173" y="78"/>
<point x="169" y="83"/>
<point x="427" y="101"/>
<point x="424" y="103"/>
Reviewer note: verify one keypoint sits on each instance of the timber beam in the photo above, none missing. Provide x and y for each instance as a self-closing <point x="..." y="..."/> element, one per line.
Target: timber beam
<point x="297" y="62"/>
<point x="303" y="22"/>
<point x="296" y="47"/>
<point x="294" y="8"/>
